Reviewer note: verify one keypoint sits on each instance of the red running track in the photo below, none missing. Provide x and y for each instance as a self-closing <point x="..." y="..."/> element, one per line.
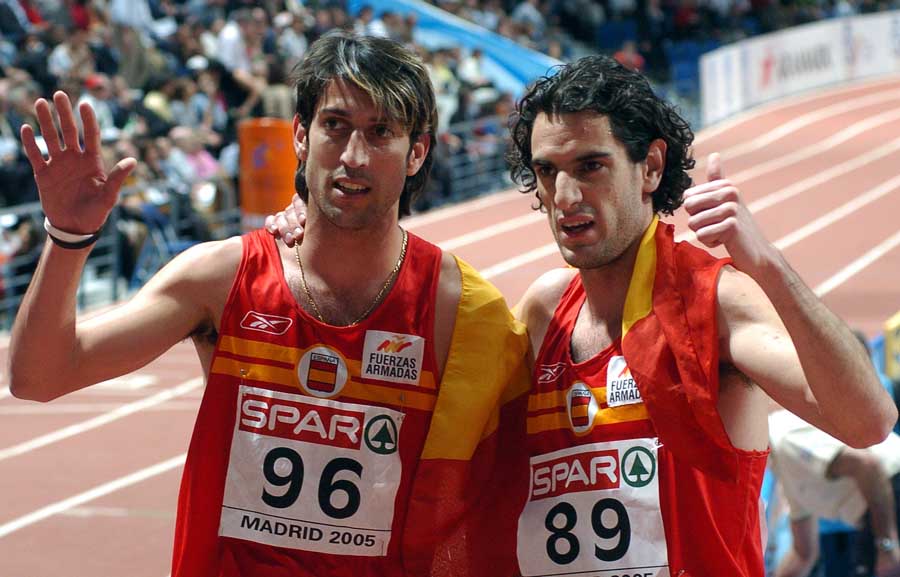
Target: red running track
<point x="89" y="482"/>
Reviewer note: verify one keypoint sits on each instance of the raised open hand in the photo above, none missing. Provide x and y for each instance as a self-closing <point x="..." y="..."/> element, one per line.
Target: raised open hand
<point x="76" y="192"/>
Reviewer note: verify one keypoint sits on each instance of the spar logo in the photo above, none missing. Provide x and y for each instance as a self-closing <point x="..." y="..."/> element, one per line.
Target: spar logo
<point x="298" y="420"/>
<point x="272" y="324"/>
<point x="550" y="373"/>
<point x="322" y="372"/>
<point x="393" y="357"/>
<point x="381" y="435"/>
<point x="638" y="466"/>
<point x="582" y="408"/>
<point x="587" y="471"/>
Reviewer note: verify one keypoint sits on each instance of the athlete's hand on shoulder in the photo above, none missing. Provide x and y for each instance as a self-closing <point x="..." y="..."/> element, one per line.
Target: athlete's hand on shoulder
<point x="76" y="192"/>
<point x="288" y="224"/>
<point x="719" y="217"/>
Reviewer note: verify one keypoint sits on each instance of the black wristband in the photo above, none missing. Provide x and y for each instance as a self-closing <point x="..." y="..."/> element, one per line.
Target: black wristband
<point x="83" y="241"/>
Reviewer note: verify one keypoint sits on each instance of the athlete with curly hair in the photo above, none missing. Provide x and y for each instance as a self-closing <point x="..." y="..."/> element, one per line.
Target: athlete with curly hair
<point x="655" y="362"/>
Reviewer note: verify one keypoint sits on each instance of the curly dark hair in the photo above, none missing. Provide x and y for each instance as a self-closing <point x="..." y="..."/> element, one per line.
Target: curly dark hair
<point x="636" y="115"/>
<point x="391" y="75"/>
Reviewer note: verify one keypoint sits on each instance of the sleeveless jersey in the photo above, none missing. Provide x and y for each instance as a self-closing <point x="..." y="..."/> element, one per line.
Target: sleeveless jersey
<point x="309" y="435"/>
<point x="607" y="496"/>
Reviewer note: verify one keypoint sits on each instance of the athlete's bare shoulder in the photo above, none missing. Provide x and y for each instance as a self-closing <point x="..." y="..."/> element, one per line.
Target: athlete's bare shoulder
<point x="205" y="264"/>
<point x="449" y="292"/>
<point x="539" y="302"/>
<point x="200" y="278"/>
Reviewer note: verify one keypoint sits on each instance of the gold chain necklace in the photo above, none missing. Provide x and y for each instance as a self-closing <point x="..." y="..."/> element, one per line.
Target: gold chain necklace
<point x="387" y="283"/>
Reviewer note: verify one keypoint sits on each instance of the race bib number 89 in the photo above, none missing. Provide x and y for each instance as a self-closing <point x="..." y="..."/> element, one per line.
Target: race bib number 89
<point x="594" y="509"/>
<point x="312" y="474"/>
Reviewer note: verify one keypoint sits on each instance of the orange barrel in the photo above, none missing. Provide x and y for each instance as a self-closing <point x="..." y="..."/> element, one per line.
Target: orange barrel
<point x="267" y="167"/>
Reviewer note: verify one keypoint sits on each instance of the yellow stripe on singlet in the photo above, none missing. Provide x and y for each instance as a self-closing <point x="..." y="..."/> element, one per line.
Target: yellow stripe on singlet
<point x="559" y="419"/>
<point x="353" y="389"/>
<point x="280" y="353"/>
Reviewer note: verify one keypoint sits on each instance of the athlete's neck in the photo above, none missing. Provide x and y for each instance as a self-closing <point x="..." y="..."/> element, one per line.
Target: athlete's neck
<point x="606" y="288"/>
<point x="344" y="258"/>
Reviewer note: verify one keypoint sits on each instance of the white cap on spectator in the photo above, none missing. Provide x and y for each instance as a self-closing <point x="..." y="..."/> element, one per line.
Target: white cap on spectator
<point x="283" y="19"/>
<point x="197" y="63"/>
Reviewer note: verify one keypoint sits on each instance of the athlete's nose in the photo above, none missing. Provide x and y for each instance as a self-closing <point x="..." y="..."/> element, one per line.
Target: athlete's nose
<point x="568" y="192"/>
<point x="356" y="153"/>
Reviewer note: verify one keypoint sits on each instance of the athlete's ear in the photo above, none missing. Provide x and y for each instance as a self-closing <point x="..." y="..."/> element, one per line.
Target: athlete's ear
<point x="654" y="165"/>
<point x="417" y="154"/>
<point x="301" y="143"/>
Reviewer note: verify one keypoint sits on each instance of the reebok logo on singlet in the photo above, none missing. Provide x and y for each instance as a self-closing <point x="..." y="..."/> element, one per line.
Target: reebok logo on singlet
<point x="620" y="386"/>
<point x="272" y="324"/>
<point x="550" y="373"/>
<point x="393" y="357"/>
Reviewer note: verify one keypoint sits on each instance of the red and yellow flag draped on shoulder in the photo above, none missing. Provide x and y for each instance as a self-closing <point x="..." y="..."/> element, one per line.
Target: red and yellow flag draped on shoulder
<point x="472" y="478"/>
<point x="669" y="308"/>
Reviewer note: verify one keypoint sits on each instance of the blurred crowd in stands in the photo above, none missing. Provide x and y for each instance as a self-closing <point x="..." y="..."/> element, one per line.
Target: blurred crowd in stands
<point x="170" y="80"/>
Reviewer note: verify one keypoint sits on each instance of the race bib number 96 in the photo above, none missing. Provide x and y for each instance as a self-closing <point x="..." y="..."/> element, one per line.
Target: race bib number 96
<point x="312" y="474"/>
<point x="594" y="510"/>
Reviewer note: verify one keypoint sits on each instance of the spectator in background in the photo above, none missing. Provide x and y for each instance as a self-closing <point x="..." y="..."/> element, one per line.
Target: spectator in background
<point x="134" y="14"/>
<point x="139" y="59"/>
<point x="14" y="22"/>
<point x="528" y="14"/>
<point x="207" y="105"/>
<point x="629" y="57"/>
<point x="292" y="42"/>
<point x="72" y="55"/>
<point x="239" y="44"/>
<point x="368" y="24"/>
<point x="16" y="184"/>
<point x="20" y="247"/>
<point x="99" y="94"/>
<point x="822" y="477"/>
<point x="446" y="86"/>
<point x="209" y="38"/>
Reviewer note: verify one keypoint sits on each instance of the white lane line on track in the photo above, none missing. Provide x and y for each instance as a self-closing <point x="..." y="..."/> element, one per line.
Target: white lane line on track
<point x="100" y="420"/>
<point x="804" y="121"/>
<point x="838" y="213"/>
<point x="518" y="261"/>
<point x="808" y="97"/>
<point x="858" y="265"/>
<point x="62" y="408"/>
<point x="833" y="141"/>
<point x="420" y="220"/>
<point x="90" y="495"/>
<point x="823" y="177"/>
<point x="494" y="230"/>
